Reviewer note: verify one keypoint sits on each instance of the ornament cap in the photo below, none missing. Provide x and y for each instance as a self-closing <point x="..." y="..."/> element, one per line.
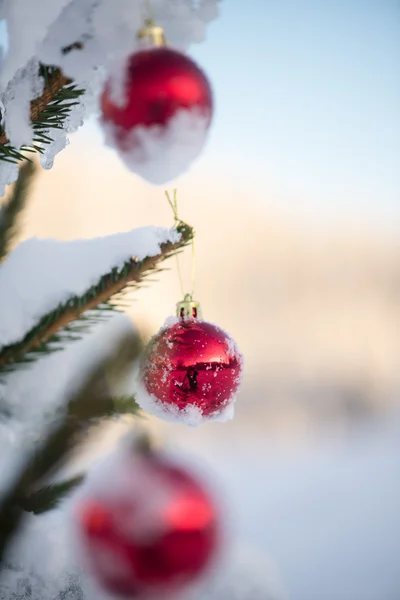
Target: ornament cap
<point x="153" y="33"/>
<point x="189" y="308"/>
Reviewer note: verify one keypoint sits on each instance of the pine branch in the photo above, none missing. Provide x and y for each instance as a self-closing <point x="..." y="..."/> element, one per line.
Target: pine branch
<point x="43" y="337"/>
<point x="54" y="81"/>
<point x="10" y="211"/>
<point x="49" y="496"/>
<point x="49" y="111"/>
<point x="91" y="400"/>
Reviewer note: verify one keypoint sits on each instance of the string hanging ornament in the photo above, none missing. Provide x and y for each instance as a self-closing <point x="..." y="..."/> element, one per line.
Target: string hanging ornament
<point x="192" y="368"/>
<point x="157" y="109"/>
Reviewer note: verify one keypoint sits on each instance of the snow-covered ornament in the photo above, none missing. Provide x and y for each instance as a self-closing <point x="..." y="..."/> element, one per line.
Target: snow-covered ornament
<point x="191" y="369"/>
<point x="147" y="527"/>
<point x="156" y="110"/>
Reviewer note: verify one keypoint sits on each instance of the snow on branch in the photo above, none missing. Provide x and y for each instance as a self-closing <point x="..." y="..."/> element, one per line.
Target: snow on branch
<point x="48" y="115"/>
<point x="72" y="281"/>
<point x="55" y="82"/>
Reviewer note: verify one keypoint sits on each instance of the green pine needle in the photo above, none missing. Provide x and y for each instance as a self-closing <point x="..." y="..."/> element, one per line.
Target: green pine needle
<point x="49" y="496"/>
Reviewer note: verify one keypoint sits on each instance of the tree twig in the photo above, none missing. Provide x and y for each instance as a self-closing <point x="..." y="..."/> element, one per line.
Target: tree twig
<point x="11" y="209"/>
<point x="91" y="400"/>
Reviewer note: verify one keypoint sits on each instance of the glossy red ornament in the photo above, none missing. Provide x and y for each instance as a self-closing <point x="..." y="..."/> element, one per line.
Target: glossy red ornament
<point x="158" y="532"/>
<point x="192" y="364"/>
<point x="147" y="125"/>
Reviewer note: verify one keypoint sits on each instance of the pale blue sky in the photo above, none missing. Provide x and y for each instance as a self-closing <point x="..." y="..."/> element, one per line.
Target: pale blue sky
<point x="308" y="100"/>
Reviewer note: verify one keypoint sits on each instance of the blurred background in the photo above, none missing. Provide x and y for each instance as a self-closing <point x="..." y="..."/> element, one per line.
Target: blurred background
<point x="296" y="205"/>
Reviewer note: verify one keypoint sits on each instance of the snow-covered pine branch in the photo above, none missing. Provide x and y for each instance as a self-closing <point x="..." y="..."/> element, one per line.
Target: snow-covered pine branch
<point x="74" y="277"/>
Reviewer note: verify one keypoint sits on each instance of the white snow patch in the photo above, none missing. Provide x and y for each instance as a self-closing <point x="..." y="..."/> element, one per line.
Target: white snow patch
<point x="26" y="86"/>
<point x="160" y="153"/>
<point x="27" y="23"/>
<point x="246" y="574"/>
<point x="27" y="575"/>
<point x="61" y="270"/>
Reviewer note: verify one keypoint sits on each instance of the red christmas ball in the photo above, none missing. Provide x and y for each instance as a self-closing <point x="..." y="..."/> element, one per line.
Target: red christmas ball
<point x="159" y="119"/>
<point x="191" y="371"/>
<point x="153" y="528"/>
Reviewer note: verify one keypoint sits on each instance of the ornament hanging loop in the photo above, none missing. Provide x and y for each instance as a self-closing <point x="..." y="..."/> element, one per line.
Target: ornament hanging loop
<point x="174" y="205"/>
<point x="189" y="308"/>
<point x="150" y="31"/>
<point x="193" y="266"/>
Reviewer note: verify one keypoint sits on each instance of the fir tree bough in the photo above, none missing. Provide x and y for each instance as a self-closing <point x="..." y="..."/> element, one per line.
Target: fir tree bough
<point x="105" y="295"/>
<point x="91" y="399"/>
<point x="48" y="112"/>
